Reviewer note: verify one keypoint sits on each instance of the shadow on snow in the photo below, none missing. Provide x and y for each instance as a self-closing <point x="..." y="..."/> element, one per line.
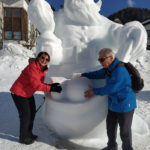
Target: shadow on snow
<point x="9" y="125"/>
<point x="143" y="96"/>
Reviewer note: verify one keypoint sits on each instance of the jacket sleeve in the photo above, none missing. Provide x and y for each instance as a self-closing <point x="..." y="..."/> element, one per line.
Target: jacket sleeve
<point x="116" y="82"/>
<point x="36" y="80"/>
<point x="99" y="74"/>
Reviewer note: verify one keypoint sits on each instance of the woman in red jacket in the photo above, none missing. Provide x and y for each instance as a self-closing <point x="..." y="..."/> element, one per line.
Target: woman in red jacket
<point x="31" y="80"/>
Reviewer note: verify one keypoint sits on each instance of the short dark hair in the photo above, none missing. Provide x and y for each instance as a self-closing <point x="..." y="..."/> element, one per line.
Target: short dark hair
<point x="41" y="53"/>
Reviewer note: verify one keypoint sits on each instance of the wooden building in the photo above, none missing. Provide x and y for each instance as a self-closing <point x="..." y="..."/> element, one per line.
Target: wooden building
<point x="14" y="23"/>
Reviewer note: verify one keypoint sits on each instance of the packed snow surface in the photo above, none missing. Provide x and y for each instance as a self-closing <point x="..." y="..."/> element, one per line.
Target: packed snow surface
<point x="73" y="37"/>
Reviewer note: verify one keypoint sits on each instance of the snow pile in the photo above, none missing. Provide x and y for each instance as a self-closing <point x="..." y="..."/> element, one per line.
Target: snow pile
<point x="13" y="58"/>
<point x="13" y="50"/>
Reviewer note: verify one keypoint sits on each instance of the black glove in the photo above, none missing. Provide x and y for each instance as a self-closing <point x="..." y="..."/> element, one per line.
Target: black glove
<point x="55" y="84"/>
<point x="55" y="87"/>
<point x="31" y="59"/>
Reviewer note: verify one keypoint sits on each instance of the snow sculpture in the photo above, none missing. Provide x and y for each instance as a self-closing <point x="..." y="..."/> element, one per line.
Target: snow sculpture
<point x="76" y="88"/>
<point x="75" y="119"/>
<point x="90" y="31"/>
<point x="74" y="8"/>
<point x="70" y="115"/>
<point x="41" y="14"/>
<point x="83" y="32"/>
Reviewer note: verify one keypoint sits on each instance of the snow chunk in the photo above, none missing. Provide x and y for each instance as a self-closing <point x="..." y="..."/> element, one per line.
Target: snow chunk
<point x="76" y="88"/>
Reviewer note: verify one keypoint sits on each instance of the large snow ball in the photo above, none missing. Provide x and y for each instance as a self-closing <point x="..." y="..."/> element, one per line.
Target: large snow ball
<point x="78" y="119"/>
<point x="76" y="88"/>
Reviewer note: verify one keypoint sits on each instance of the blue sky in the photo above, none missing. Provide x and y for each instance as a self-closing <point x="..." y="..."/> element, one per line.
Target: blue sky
<point x="111" y="6"/>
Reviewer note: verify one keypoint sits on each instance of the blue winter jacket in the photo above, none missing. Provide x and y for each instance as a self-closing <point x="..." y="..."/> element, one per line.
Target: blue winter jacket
<point x="121" y="97"/>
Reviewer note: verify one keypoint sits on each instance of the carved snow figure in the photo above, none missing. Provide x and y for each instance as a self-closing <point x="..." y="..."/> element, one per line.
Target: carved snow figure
<point x="90" y="31"/>
<point x="83" y="32"/>
<point x="74" y="116"/>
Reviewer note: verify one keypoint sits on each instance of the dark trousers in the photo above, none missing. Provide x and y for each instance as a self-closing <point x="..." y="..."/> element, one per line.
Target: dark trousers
<point x="26" y="109"/>
<point x="125" y="121"/>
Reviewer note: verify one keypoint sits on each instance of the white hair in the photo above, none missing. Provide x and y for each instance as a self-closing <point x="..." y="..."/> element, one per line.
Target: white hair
<point x="107" y="52"/>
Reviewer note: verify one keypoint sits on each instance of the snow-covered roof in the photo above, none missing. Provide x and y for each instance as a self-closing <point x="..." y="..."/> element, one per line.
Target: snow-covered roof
<point x="16" y="3"/>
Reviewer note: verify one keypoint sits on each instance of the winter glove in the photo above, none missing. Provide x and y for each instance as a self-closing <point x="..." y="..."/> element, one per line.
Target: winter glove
<point x="55" y="84"/>
<point x="55" y="87"/>
<point x="31" y="59"/>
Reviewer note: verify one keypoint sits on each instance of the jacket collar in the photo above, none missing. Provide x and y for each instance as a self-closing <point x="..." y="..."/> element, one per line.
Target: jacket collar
<point x="113" y="65"/>
<point x="40" y="68"/>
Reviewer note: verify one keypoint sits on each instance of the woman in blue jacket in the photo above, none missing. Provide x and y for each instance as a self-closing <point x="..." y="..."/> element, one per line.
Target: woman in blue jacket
<point x="121" y="98"/>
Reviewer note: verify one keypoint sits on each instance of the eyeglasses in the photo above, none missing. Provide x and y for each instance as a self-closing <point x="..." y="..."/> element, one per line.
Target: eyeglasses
<point x="44" y="58"/>
<point x="102" y="59"/>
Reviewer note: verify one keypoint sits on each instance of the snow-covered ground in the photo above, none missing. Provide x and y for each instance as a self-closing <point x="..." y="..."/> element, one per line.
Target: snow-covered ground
<point x="73" y="37"/>
<point x="11" y="65"/>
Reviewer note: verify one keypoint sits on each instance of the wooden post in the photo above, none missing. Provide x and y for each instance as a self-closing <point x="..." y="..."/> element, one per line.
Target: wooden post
<point x="3" y="13"/>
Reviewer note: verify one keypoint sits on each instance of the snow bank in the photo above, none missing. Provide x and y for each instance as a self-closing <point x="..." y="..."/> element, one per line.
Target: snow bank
<point x="13" y="59"/>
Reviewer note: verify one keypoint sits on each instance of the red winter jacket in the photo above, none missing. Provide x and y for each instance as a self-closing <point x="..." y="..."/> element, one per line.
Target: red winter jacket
<point x="30" y="80"/>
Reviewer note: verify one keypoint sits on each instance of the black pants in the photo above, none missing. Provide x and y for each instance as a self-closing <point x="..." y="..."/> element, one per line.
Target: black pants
<point x="26" y="109"/>
<point x="125" y="121"/>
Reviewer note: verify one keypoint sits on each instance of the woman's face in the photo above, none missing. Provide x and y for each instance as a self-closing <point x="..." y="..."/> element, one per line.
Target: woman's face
<point x="43" y="60"/>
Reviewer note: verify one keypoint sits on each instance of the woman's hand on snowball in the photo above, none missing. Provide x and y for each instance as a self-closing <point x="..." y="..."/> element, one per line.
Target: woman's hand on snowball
<point x="89" y="93"/>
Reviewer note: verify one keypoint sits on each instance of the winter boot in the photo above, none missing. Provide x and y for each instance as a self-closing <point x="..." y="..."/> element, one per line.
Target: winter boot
<point x="33" y="136"/>
<point x="26" y="141"/>
<point x="110" y="148"/>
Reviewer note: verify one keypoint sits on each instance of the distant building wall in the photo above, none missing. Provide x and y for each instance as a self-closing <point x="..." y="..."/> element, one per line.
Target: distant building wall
<point x="28" y="30"/>
<point x="18" y="4"/>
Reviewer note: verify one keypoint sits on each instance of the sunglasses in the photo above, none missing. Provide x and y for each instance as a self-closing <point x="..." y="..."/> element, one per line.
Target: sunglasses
<point x="44" y="58"/>
<point x="102" y="59"/>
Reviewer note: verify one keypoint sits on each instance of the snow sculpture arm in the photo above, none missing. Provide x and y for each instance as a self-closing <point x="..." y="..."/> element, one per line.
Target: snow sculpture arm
<point x="133" y="39"/>
<point x="40" y="11"/>
<point x="41" y="14"/>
